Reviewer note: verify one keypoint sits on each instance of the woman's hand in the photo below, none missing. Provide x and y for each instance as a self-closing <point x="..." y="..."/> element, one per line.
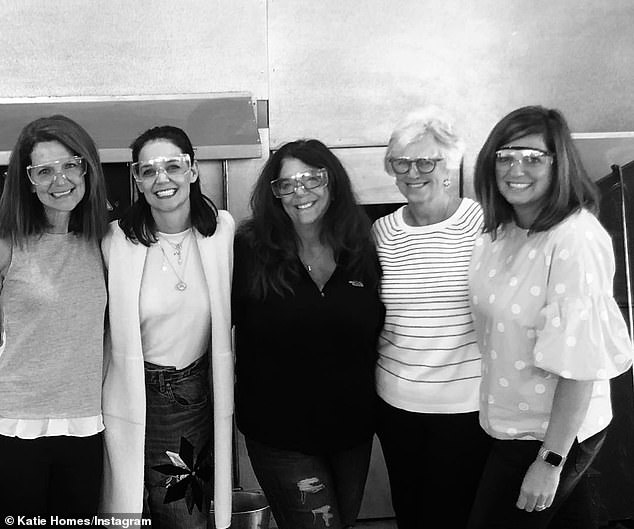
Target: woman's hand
<point x="539" y="486"/>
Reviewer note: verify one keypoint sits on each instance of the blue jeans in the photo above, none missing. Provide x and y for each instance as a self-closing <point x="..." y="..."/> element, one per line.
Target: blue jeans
<point x="178" y="405"/>
<point x="311" y="491"/>
<point x="494" y="505"/>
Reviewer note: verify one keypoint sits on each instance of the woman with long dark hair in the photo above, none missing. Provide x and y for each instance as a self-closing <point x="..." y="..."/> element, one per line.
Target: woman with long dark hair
<point x="307" y="317"/>
<point x="169" y="265"/>
<point x="53" y="299"/>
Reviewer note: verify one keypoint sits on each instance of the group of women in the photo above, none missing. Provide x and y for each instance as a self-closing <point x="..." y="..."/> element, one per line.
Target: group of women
<point x="477" y="339"/>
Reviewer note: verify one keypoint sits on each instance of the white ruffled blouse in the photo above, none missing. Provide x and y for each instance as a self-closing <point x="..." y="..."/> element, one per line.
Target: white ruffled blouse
<point x="543" y="309"/>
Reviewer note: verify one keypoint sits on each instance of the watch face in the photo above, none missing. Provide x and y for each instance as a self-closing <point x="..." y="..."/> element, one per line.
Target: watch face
<point x="552" y="458"/>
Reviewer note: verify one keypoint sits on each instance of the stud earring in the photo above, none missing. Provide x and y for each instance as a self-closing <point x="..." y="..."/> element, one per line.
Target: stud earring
<point x="446" y="182"/>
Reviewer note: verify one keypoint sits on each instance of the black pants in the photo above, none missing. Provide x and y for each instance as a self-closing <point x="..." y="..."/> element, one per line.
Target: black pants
<point x="499" y="489"/>
<point x="50" y="475"/>
<point x="434" y="462"/>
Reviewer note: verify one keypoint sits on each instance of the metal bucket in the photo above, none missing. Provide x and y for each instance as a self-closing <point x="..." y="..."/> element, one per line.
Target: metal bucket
<point x="249" y="510"/>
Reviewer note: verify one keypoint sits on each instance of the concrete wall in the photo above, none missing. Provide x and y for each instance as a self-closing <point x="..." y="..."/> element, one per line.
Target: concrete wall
<point x="344" y="72"/>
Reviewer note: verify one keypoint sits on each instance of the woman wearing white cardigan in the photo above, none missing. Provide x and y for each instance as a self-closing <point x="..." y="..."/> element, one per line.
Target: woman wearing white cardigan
<point x="170" y="365"/>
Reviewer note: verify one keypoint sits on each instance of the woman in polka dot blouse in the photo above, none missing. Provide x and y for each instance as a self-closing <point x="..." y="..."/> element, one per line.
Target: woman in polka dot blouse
<point x="550" y="332"/>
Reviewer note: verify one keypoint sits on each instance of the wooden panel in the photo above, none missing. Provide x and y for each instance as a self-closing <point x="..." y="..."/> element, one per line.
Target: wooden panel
<point x="377" y="499"/>
<point x="345" y="72"/>
<point x="221" y="125"/>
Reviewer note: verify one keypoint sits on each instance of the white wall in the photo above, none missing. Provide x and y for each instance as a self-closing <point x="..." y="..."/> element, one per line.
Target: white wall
<point x="342" y="71"/>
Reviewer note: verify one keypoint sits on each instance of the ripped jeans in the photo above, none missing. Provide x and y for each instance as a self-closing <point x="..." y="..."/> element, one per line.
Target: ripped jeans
<point x="311" y="491"/>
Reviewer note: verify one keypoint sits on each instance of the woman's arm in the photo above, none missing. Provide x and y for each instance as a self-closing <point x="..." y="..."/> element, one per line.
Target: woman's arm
<point x="570" y="405"/>
<point x="5" y="261"/>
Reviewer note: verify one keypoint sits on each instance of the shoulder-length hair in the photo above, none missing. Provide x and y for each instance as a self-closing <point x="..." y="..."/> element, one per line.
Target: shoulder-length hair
<point x="427" y="121"/>
<point x="274" y="242"/>
<point x="22" y="215"/>
<point x="137" y="222"/>
<point x="570" y="188"/>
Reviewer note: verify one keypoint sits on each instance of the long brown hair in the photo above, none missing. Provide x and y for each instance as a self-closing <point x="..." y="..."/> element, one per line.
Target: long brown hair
<point x="22" y="214"/>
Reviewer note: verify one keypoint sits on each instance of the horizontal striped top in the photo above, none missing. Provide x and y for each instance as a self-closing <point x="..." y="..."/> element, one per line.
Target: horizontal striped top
<point x="429" y="361"/>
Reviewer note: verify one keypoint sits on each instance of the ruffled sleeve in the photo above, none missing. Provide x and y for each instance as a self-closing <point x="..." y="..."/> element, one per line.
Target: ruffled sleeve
<point x="581" y="333"/>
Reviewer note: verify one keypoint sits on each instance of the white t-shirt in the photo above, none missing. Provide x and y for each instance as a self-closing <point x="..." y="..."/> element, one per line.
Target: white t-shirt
<point x="175" y="324"/>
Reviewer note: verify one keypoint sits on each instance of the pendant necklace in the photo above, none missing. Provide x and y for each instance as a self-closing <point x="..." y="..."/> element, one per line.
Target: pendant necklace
<point x="180" y="285"/>
<point x="178" y="247"/>
<point x="308" y="266"/>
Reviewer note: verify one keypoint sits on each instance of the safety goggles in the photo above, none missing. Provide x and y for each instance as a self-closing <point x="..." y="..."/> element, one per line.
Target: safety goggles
<point x="44" y="174"/>
<point x="529" y="159"/>
<point x="307" y="180"/>
<point x="175" y="167"/>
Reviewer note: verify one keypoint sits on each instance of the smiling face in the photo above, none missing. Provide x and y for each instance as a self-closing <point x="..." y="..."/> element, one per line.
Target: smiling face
<point x="166" y="193"/>
<point x="525" y="186"/>
<point x="64" y="193"/>
<point x="305" y="207"/>
<point x="417" y="187"/>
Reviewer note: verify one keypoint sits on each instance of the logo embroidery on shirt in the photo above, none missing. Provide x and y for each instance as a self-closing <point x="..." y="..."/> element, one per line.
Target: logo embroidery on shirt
<point x="356" y="283"/>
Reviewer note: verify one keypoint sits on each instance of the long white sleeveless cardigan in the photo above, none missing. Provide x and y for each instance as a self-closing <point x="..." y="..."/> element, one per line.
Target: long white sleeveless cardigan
<point x="124" y="379"/>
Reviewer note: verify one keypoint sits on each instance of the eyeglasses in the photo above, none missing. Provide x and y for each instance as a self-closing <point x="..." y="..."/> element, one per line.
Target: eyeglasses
<point x="531" y="159"/>
<point x="44" y="174"/>
<point x="402" y="166"/>
<point x="175" y="167"/>
<point x="307" y="180"/>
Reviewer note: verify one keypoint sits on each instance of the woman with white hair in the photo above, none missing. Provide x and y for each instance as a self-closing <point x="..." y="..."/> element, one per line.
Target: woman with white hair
<point x="428" y="371"/>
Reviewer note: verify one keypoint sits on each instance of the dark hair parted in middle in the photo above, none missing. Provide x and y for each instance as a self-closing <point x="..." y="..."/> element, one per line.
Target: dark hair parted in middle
<point x="345" y="226"/>
<point x="137" y="222"/>
<point x="570" y="189"/>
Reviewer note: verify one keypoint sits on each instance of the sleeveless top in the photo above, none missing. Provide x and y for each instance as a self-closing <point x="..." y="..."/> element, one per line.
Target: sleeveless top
<point x="53" y="302"/>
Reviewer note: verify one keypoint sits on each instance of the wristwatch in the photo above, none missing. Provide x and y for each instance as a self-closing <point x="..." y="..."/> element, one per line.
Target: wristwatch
<point x="552" y="458"/>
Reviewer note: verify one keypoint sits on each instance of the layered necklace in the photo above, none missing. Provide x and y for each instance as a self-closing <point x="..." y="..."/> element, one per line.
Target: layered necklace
<point x="181" y="255"/>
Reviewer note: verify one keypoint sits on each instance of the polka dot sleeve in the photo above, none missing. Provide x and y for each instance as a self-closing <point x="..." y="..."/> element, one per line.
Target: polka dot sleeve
<point x="581" y="333"/>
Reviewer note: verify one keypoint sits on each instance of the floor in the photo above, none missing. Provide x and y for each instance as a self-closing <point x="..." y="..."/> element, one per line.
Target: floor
<point x="388" y="523"/>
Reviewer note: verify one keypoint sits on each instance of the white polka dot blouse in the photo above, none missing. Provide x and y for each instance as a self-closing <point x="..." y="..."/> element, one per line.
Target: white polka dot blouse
<point x="543" y="309"/>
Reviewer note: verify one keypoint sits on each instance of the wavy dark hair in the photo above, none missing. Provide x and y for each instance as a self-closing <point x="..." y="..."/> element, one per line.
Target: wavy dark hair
<point x="570" y="188"/>
<point x="273" y="240"/>
<point x="22" y="215"/>
<point x="137" y="222"/>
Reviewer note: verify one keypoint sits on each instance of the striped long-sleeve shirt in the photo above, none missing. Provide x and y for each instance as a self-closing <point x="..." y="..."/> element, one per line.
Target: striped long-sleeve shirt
<point x="429" y="360"/>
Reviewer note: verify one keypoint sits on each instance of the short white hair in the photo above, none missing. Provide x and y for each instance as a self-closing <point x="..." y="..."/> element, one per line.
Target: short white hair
<point x="429" y="120"/>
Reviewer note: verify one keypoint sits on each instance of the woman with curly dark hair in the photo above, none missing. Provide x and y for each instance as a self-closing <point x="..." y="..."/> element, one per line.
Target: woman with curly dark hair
<point x="307" y="316"/>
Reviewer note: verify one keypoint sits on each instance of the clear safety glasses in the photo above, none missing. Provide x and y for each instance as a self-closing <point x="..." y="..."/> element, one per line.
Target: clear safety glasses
<point x="175" y="167"/>
<point x="307" y="180"/>
<point x="44" y="174"/>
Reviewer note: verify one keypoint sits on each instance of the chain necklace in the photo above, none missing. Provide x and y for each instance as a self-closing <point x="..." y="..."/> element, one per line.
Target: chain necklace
<point x="316" y="259"/>
<point x="178" y="246"/>
<point x="180" y="285"/>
